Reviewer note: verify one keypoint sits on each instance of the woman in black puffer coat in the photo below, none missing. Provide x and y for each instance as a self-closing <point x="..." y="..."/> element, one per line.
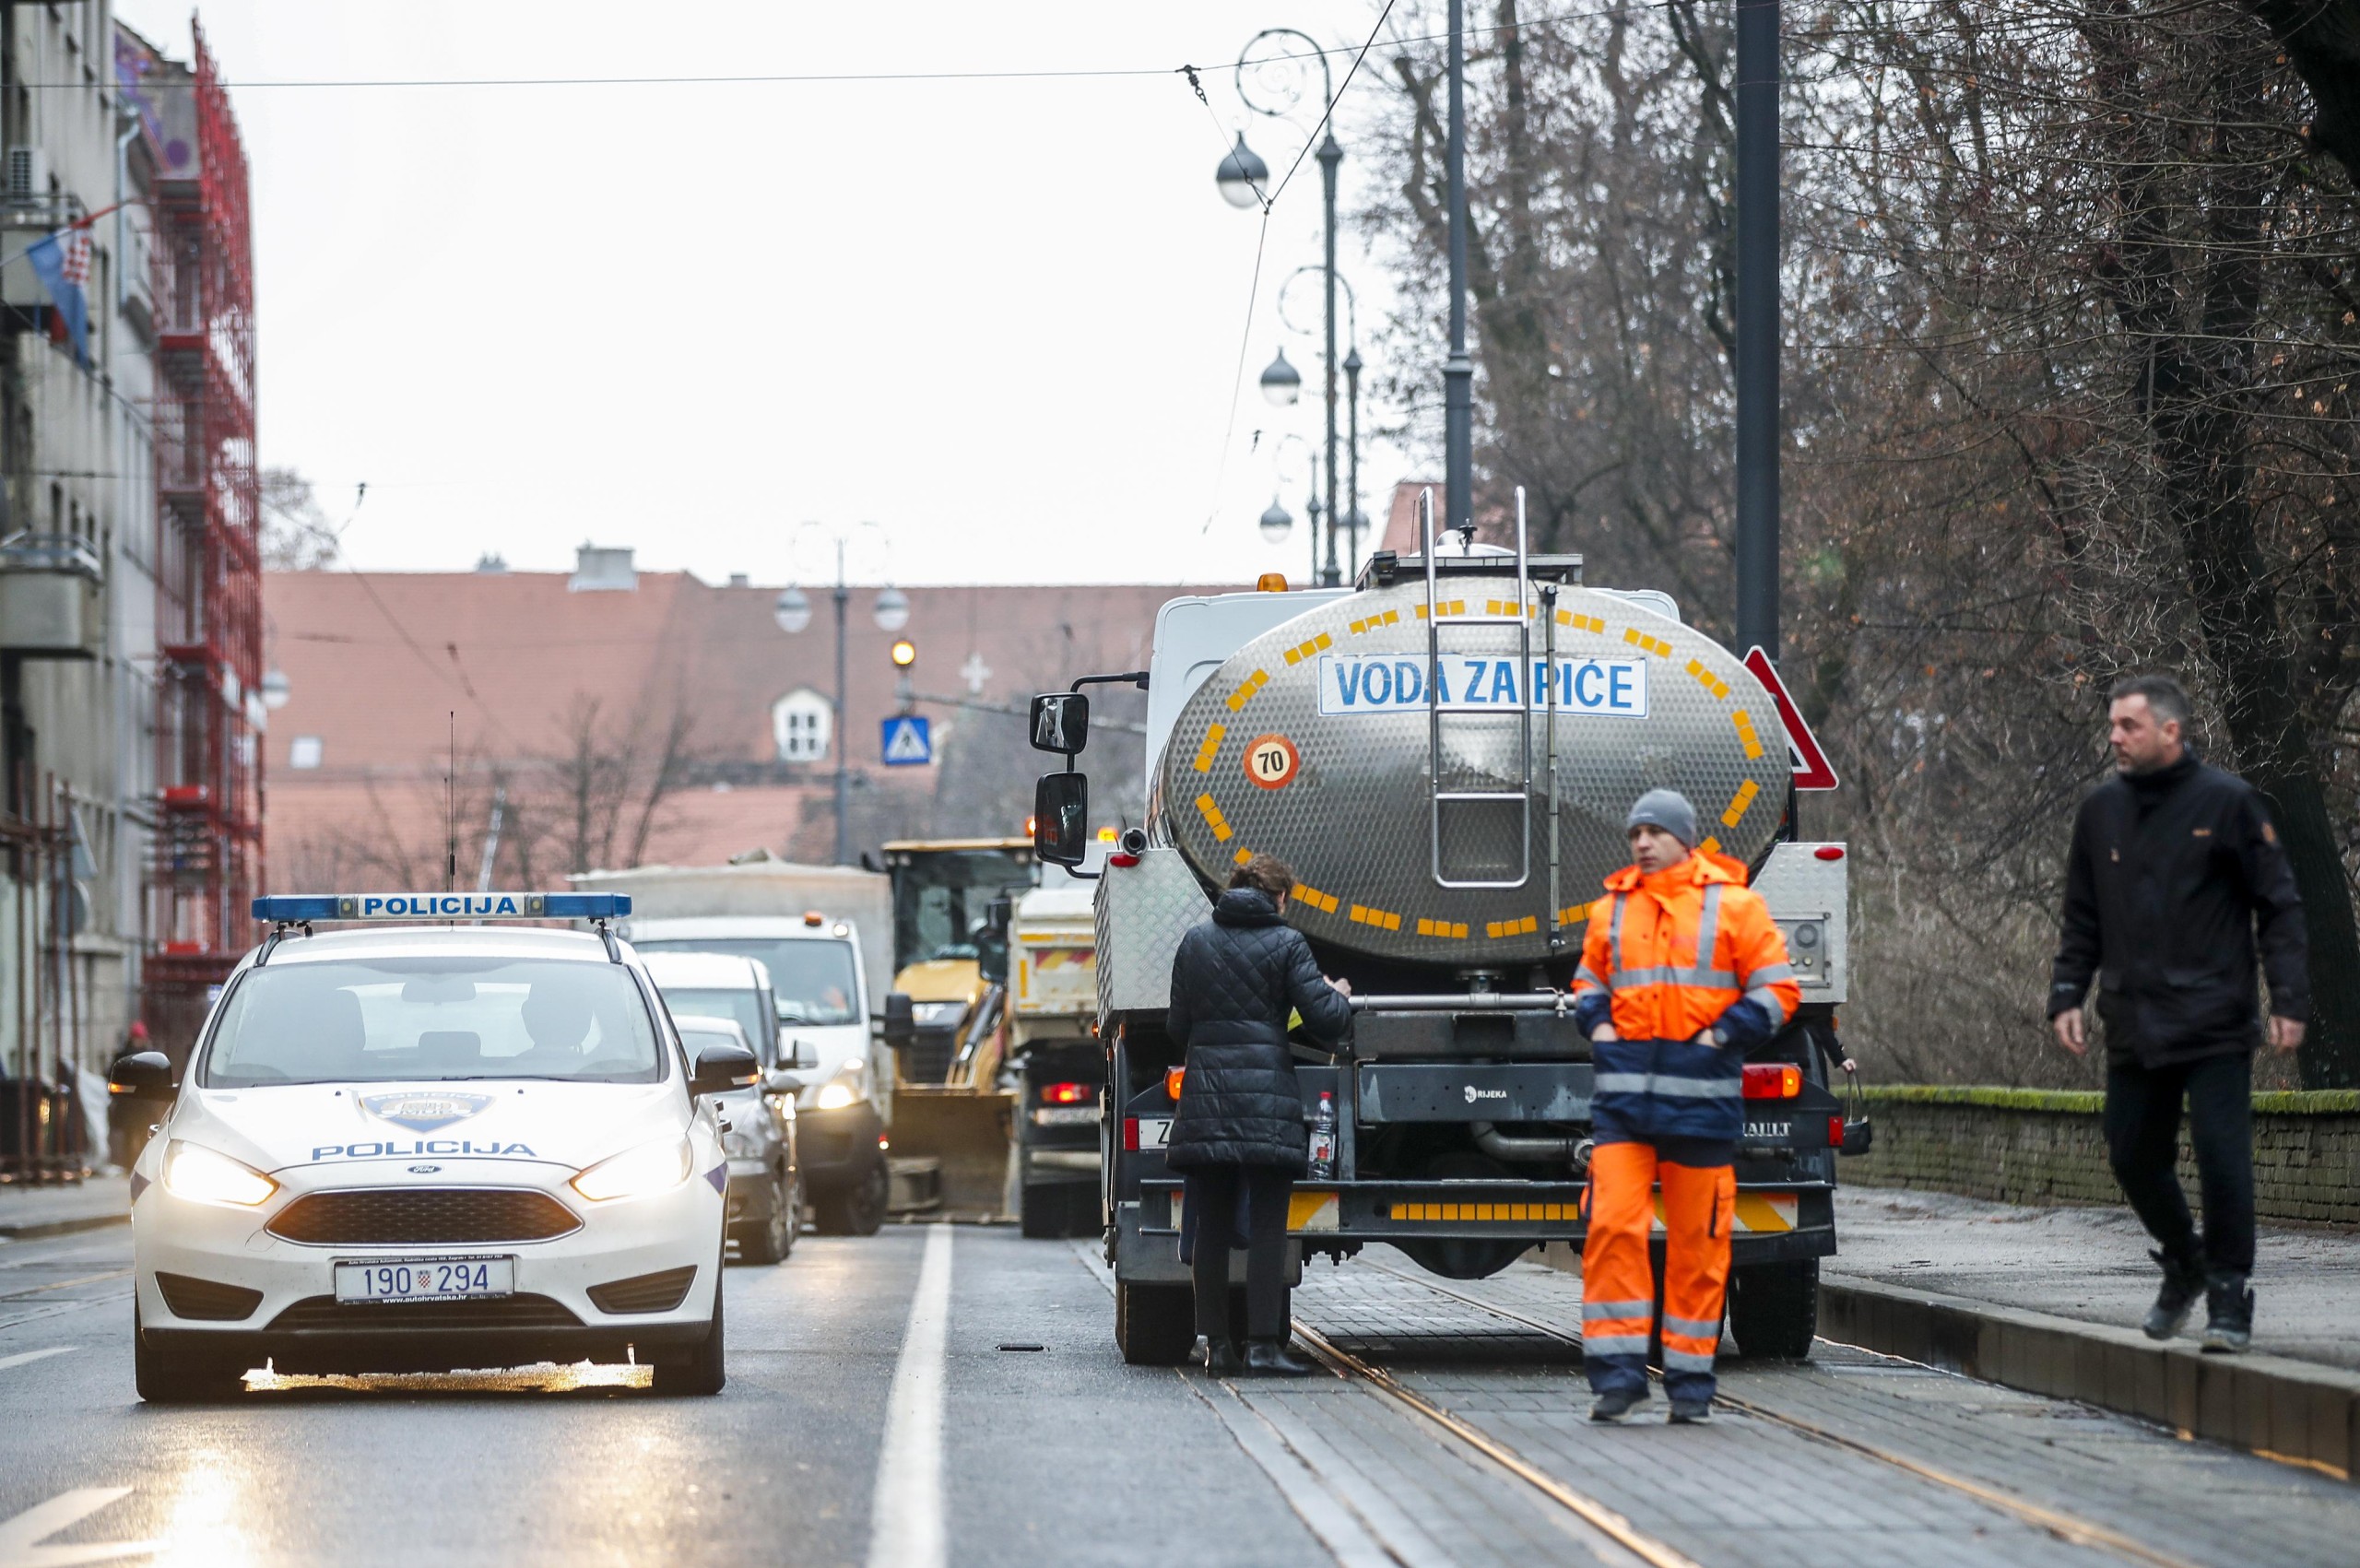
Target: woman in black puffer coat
<point x="1238" y="1136"/>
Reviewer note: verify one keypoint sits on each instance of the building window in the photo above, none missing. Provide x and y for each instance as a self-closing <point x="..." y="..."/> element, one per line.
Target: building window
<point x="304" y="751"/>
<point x="801" y="722"/>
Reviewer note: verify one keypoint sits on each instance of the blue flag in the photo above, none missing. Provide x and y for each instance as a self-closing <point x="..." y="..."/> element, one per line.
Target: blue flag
<point x="63" y="261"/>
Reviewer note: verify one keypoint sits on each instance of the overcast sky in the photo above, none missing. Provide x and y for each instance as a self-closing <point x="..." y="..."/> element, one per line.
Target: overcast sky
<point x="1000" y="318"/>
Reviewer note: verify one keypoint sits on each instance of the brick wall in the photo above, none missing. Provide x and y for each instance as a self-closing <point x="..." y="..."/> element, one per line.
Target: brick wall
<point x="2043" y="1147"/>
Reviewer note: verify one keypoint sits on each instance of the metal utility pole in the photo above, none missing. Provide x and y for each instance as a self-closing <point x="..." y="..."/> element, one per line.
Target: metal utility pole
<point x="1458" y="370"/>
<point x="1352" y="518"/>
<point x="1757" y="325"/>
<point x="1331" y="155"/>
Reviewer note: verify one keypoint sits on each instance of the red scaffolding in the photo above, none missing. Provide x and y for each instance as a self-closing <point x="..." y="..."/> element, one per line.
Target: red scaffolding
<point x="208" y="860"/>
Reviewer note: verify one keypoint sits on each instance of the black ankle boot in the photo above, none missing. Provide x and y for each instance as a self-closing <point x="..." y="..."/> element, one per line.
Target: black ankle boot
<point x="2228" y="1327"/>
<point x="1271" y="1358"/>
<point x="2183" y="1282"/>
<point x="1222" y="1359"/>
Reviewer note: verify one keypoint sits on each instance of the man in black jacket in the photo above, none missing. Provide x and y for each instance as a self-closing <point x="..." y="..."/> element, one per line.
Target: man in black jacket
<point x="2174" y="869"/>
<point x="1238" y="1134"/>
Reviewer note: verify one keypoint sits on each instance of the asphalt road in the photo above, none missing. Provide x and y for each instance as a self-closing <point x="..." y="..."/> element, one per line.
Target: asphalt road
<point x="878" y="1413"/>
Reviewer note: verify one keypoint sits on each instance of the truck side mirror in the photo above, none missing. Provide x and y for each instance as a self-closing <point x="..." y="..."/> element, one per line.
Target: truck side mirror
<point x="799" y="1057"/>
<point x="143" y="1074"/>
<point x="1061" y="722"/>
<point x="1061" y="818"/>
<point x="900" y="1026"/>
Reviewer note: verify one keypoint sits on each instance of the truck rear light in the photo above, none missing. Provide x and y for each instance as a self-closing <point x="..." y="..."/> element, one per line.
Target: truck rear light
<point x="1065" y="1094"/>
<point x="1131" y="1134"/>
<point x="1829" y="851"/>
<point x="1773" y="1080"/>
<point x="1121" y="859"/>
<point x="1835" y="1132"/>
<point x="1172" y="1082"/>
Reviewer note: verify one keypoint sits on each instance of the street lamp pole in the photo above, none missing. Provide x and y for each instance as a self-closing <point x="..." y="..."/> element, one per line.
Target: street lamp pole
<point x="1331" y="155"/>
<point x="1352" y="518"/>
<point x="843" y="738"/>
<point x="1458" y="370"/>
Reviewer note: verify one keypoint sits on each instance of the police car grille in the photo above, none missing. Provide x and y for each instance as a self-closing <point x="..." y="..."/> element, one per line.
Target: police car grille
<point x="316" y="1313"/>
<point x="398" y="1216"/>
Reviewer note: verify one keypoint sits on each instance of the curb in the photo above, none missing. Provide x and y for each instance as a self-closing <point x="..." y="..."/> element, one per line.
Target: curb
<point x="2270" y="1405"/>
<point x="33" y="1230"/>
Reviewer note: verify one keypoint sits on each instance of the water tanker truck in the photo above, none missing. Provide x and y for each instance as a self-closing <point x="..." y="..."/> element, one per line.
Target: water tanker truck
<point x="1444" y="754"/>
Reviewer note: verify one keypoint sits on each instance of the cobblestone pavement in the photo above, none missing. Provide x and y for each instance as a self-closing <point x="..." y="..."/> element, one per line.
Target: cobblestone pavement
<point x="1753" y="1491"/>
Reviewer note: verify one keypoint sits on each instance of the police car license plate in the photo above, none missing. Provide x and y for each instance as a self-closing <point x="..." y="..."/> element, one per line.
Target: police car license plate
<point x="425" y="1280"/>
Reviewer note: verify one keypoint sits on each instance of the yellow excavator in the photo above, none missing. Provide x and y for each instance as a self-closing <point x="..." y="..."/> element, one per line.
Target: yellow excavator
<point x="953" y="1126"/>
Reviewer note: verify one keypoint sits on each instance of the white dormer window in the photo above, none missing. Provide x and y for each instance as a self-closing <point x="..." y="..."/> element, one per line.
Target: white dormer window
<point x="304" y="751"/>
<point x="800" y="725"/>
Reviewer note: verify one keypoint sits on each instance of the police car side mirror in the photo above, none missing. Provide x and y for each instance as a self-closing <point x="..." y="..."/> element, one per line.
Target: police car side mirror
<point x="900" y="1026"/>
<point x="721" y="1068"/>
<point x="143" y="1074"/>
<point x="1061" y="722"/>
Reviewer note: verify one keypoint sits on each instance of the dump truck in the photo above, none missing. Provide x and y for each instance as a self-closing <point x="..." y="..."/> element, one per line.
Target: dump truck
<point x="1445" y="752"/>
<point x="1051" y="1058"/>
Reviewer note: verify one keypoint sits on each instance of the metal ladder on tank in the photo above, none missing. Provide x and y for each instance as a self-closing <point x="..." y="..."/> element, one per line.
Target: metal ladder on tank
<point x="1477" y="800"/>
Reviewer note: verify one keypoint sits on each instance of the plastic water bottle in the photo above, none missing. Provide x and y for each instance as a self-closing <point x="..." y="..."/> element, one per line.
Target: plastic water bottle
<point x="1323" y="1139"/>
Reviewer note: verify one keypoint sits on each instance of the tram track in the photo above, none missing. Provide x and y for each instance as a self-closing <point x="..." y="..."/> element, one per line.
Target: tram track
<point x="2065" y="1526"/>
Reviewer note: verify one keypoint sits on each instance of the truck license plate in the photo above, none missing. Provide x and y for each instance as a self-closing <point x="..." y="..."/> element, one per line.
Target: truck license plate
<point x="1065" y="1117"/>
<point x="425" y="1280"/>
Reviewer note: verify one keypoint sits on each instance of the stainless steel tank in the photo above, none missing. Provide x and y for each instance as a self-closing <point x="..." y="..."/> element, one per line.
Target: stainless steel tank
<point x="1315" y="743"/>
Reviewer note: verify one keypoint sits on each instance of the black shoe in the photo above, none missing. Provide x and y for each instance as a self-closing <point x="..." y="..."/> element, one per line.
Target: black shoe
<point x="1222" y="1359"/>
<point x="2183" y="1281"/>
<point x="2228" y="1310"/>
<point x="1271" y="1358"/>
<point x="1616" y="1403"/>
<point x="1691" y="1413"/>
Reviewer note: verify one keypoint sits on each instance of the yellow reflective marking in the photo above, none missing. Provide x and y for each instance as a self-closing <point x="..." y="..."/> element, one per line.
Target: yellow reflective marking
<point x="1214" y="819"/>
<point x="1710" y="681"/>
<point x="1580" y="623"/>
<point x="1243" y="855"/>
<point x="1711" y="846"/>
<point x="1245" y="694"/>
<point x="1312" y="1211"/>
<point x="1512" y="928"/>
<point x="1305" y="894"/>
<point x="1743" y="799"/>
<point x="1745" y="734"/>
<point x="1213" y="738"/>
<point x="1457" y="929"/>
<point x="1639" y="639"/>
<point x="1362" y="915"/>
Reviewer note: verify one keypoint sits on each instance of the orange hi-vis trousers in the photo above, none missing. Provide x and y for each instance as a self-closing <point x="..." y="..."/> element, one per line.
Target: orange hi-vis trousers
<point x="1618" y="1281"/>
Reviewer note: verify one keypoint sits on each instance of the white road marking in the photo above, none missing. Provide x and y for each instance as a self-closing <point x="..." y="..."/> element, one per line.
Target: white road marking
<point x="906" y="1518"/>
<point x="22" y="1357"/>
<point x="19" y="1537"/>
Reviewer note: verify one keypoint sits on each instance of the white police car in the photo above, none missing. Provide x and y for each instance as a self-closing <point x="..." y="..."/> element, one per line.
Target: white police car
<point x="414" y="1147"/>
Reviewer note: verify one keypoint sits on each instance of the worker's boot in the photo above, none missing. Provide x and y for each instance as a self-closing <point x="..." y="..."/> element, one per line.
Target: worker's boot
<point x="1271" y="1358"/>
<point x="2183" y="1282"/>
<point x="2228" y="1309"/>
<point x="1616" y="1403"/>
<point x="1222" y="1359"/>
<point x="1691" y="1411"/>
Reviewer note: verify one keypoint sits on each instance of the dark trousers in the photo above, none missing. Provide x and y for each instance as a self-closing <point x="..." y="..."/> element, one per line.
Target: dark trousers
<point x="2142" y="1143"/>
<point x="1214" y="1193"/>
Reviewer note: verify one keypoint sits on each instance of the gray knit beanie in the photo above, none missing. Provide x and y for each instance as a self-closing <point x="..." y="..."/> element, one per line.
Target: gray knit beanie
<point x="1668" y="809"/>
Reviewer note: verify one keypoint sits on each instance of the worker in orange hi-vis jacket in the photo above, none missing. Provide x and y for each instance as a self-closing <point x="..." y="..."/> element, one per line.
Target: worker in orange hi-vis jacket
<point x="1682" y="972"/>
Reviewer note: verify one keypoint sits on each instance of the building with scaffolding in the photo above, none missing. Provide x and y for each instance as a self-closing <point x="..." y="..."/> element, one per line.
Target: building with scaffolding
<point x="206" y="860"/>
<point x="130" y="793"/>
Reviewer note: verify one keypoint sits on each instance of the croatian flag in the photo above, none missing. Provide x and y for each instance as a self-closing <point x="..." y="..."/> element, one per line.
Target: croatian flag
<point x="63" y="261"/>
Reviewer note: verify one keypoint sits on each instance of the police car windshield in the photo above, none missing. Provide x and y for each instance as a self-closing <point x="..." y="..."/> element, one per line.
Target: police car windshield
<point x="397" y="1019"/>
<point x="812" y="977"/>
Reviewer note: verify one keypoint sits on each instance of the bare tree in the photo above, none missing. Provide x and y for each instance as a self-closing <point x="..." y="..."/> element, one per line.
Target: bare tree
<point x="296" y="534"/>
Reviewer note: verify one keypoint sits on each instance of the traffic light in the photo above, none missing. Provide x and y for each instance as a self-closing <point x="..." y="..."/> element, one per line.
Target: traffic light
<point x="905" y="653"/>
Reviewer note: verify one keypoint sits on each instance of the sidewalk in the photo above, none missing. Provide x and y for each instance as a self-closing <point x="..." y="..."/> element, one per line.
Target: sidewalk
<point x="29" y="1212"/>
<point x="2048" y="1299"/>
<point x="2090" y="1264"/>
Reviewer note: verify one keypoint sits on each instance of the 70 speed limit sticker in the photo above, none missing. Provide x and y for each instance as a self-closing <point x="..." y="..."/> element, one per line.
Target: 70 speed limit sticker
<point x="1271" y="761"/>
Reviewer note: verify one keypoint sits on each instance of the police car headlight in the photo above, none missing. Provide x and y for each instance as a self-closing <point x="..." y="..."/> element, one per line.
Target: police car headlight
<point x="849" y="1085"/>
<point x="937" y="1015"/>
<point x="202" y="1177"/>
<point x="643" y="1172"/>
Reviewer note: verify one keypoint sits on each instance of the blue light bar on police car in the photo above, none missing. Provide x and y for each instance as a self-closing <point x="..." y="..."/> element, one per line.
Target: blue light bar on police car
<point x="442" y="906"/>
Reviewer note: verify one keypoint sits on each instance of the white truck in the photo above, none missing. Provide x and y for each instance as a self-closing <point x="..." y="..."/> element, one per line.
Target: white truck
<point x="1445" y="753"/>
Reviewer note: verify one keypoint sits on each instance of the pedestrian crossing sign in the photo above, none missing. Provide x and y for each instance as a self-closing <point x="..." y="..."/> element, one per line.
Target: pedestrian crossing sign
<point x="909" y="741"/>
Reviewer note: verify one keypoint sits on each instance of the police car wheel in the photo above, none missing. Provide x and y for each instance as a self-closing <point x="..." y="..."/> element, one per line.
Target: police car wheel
<point x="180" y="1379"/>
<point x="1154" y="1324"/>
<point x="1773" y="1309"/>
<point x="767" y="1239"/>
<point x="703" y="1370"/>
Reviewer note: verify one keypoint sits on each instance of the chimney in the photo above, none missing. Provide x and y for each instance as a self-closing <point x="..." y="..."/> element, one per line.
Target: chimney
<point x="739" y="579"/>
<point x="600" y="569"/>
